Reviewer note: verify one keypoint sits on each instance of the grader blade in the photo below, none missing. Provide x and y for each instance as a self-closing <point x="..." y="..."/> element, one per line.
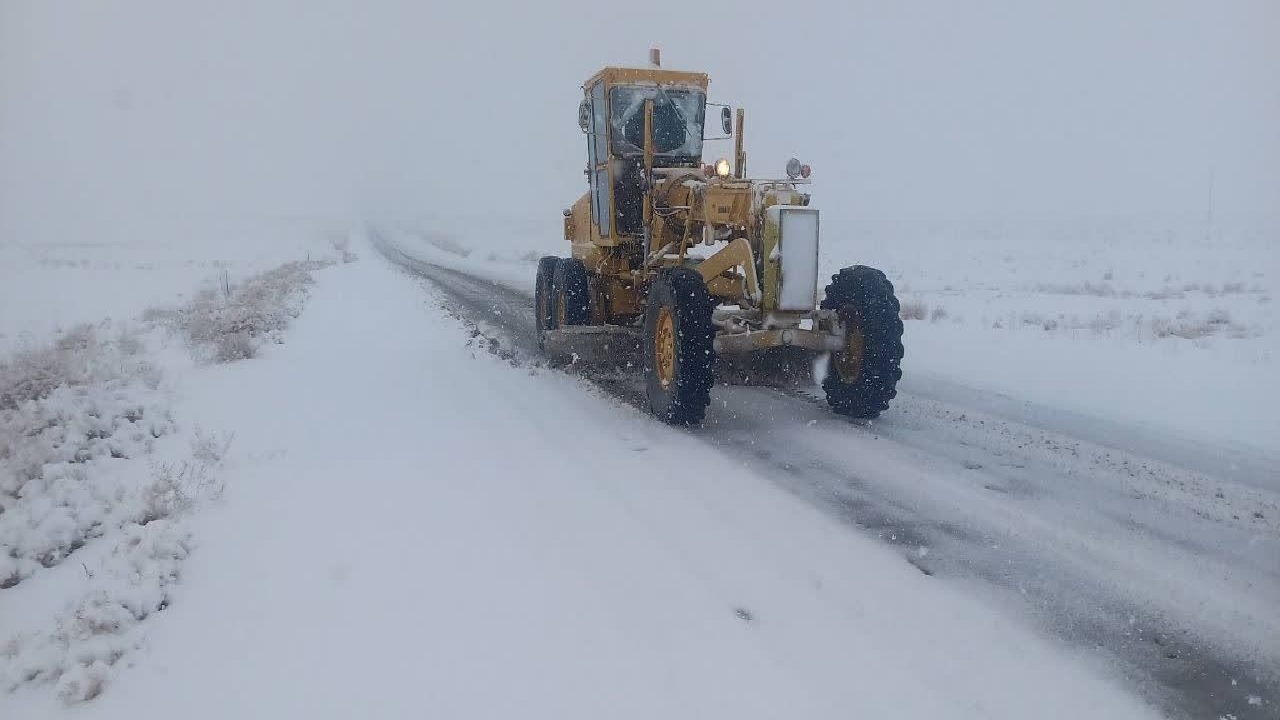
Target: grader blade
<point x="781" y="367"/>
<point x="594" y="346"/>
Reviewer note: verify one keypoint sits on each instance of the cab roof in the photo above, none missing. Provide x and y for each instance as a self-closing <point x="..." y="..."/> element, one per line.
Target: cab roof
<point x="657" y="76"/>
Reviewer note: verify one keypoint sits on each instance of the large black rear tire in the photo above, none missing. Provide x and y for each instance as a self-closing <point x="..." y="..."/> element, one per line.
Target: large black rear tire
<point x="863" y="378"/>
<point x="679" y="354"/>
<point x="543" y="292"/>
<point x="572" y="295"/>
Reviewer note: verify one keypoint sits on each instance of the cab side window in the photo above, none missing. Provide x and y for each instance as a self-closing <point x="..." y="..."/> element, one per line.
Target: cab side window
<point x="598" y="157"/>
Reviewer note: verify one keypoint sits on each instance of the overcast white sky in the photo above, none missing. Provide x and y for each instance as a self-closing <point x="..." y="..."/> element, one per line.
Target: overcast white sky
<point x="136" y="116"/>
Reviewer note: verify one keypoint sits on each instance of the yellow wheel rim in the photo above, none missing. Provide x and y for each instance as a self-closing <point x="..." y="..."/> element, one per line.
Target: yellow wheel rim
<point x="664" y="348"/>
<point x="849" y="361"/>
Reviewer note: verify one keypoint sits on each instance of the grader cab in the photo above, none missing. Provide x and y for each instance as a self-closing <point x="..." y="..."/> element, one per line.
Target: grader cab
<point x="706" y="265"/>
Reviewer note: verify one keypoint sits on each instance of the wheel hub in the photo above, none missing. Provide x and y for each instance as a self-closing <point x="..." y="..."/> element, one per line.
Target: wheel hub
<point x="664" y="348"/>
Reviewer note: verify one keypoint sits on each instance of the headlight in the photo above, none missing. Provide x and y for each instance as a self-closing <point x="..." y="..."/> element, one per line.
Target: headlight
<point x="796" y="169"/>
<point x="722" y="167"/>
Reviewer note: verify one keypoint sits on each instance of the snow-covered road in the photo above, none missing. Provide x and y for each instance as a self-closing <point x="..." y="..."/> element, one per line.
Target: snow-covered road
<point x="414" y="516"/>
<point x="1155" y="553"/>
<point x="414" y="525"/>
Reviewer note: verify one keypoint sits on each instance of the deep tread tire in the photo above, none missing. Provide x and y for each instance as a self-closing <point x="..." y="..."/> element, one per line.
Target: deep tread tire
<point x="543" y="297"/>
<point x="684" y="401"/>
<point x="864" y="298"/>
<point x="572" y="296"/>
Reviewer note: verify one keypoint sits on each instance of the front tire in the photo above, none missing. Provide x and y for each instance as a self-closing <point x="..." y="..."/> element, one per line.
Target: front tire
<point x="679" y="354"/>
<point x="863" y="377"/>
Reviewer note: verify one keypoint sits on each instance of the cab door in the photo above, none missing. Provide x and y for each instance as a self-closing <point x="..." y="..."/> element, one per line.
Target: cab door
<point x="598" y="159"/>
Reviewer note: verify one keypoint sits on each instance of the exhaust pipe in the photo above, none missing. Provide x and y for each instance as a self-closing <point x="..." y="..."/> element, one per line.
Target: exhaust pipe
<point x="655" y="57"/>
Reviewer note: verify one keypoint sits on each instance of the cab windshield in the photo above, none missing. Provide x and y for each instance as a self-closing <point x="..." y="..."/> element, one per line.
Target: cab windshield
<point x="677" y="121"/>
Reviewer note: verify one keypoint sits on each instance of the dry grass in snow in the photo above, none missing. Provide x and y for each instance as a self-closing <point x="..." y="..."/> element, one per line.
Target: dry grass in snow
<point x="919" y="310"/>
<point x="1186" y="324"/>
<point x="232" y="322"/>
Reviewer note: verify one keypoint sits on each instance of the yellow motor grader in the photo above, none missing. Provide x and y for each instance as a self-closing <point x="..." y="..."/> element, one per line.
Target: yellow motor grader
<point x="705" y="263"/>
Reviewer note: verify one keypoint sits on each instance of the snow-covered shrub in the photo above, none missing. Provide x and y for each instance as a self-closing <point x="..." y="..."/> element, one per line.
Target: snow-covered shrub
<point x="1190" y="326"/>
<point x="1048" y="324"/>
<point x="72" y="414"/>
<point x="1102" y="289"/>
<point x="92" y="635"/>
<point x="78" y="357"/>
<point x="149" y="540"/>
<point x="1103" y="324"/>
<point x="208" y="449"/>
<point x="231" y="323"/>
<point x="178" y="487"/>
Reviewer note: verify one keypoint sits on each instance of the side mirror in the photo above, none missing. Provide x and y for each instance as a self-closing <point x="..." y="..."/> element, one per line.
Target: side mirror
<point x="584" y="116"/>
<point x="726" y="120"/>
